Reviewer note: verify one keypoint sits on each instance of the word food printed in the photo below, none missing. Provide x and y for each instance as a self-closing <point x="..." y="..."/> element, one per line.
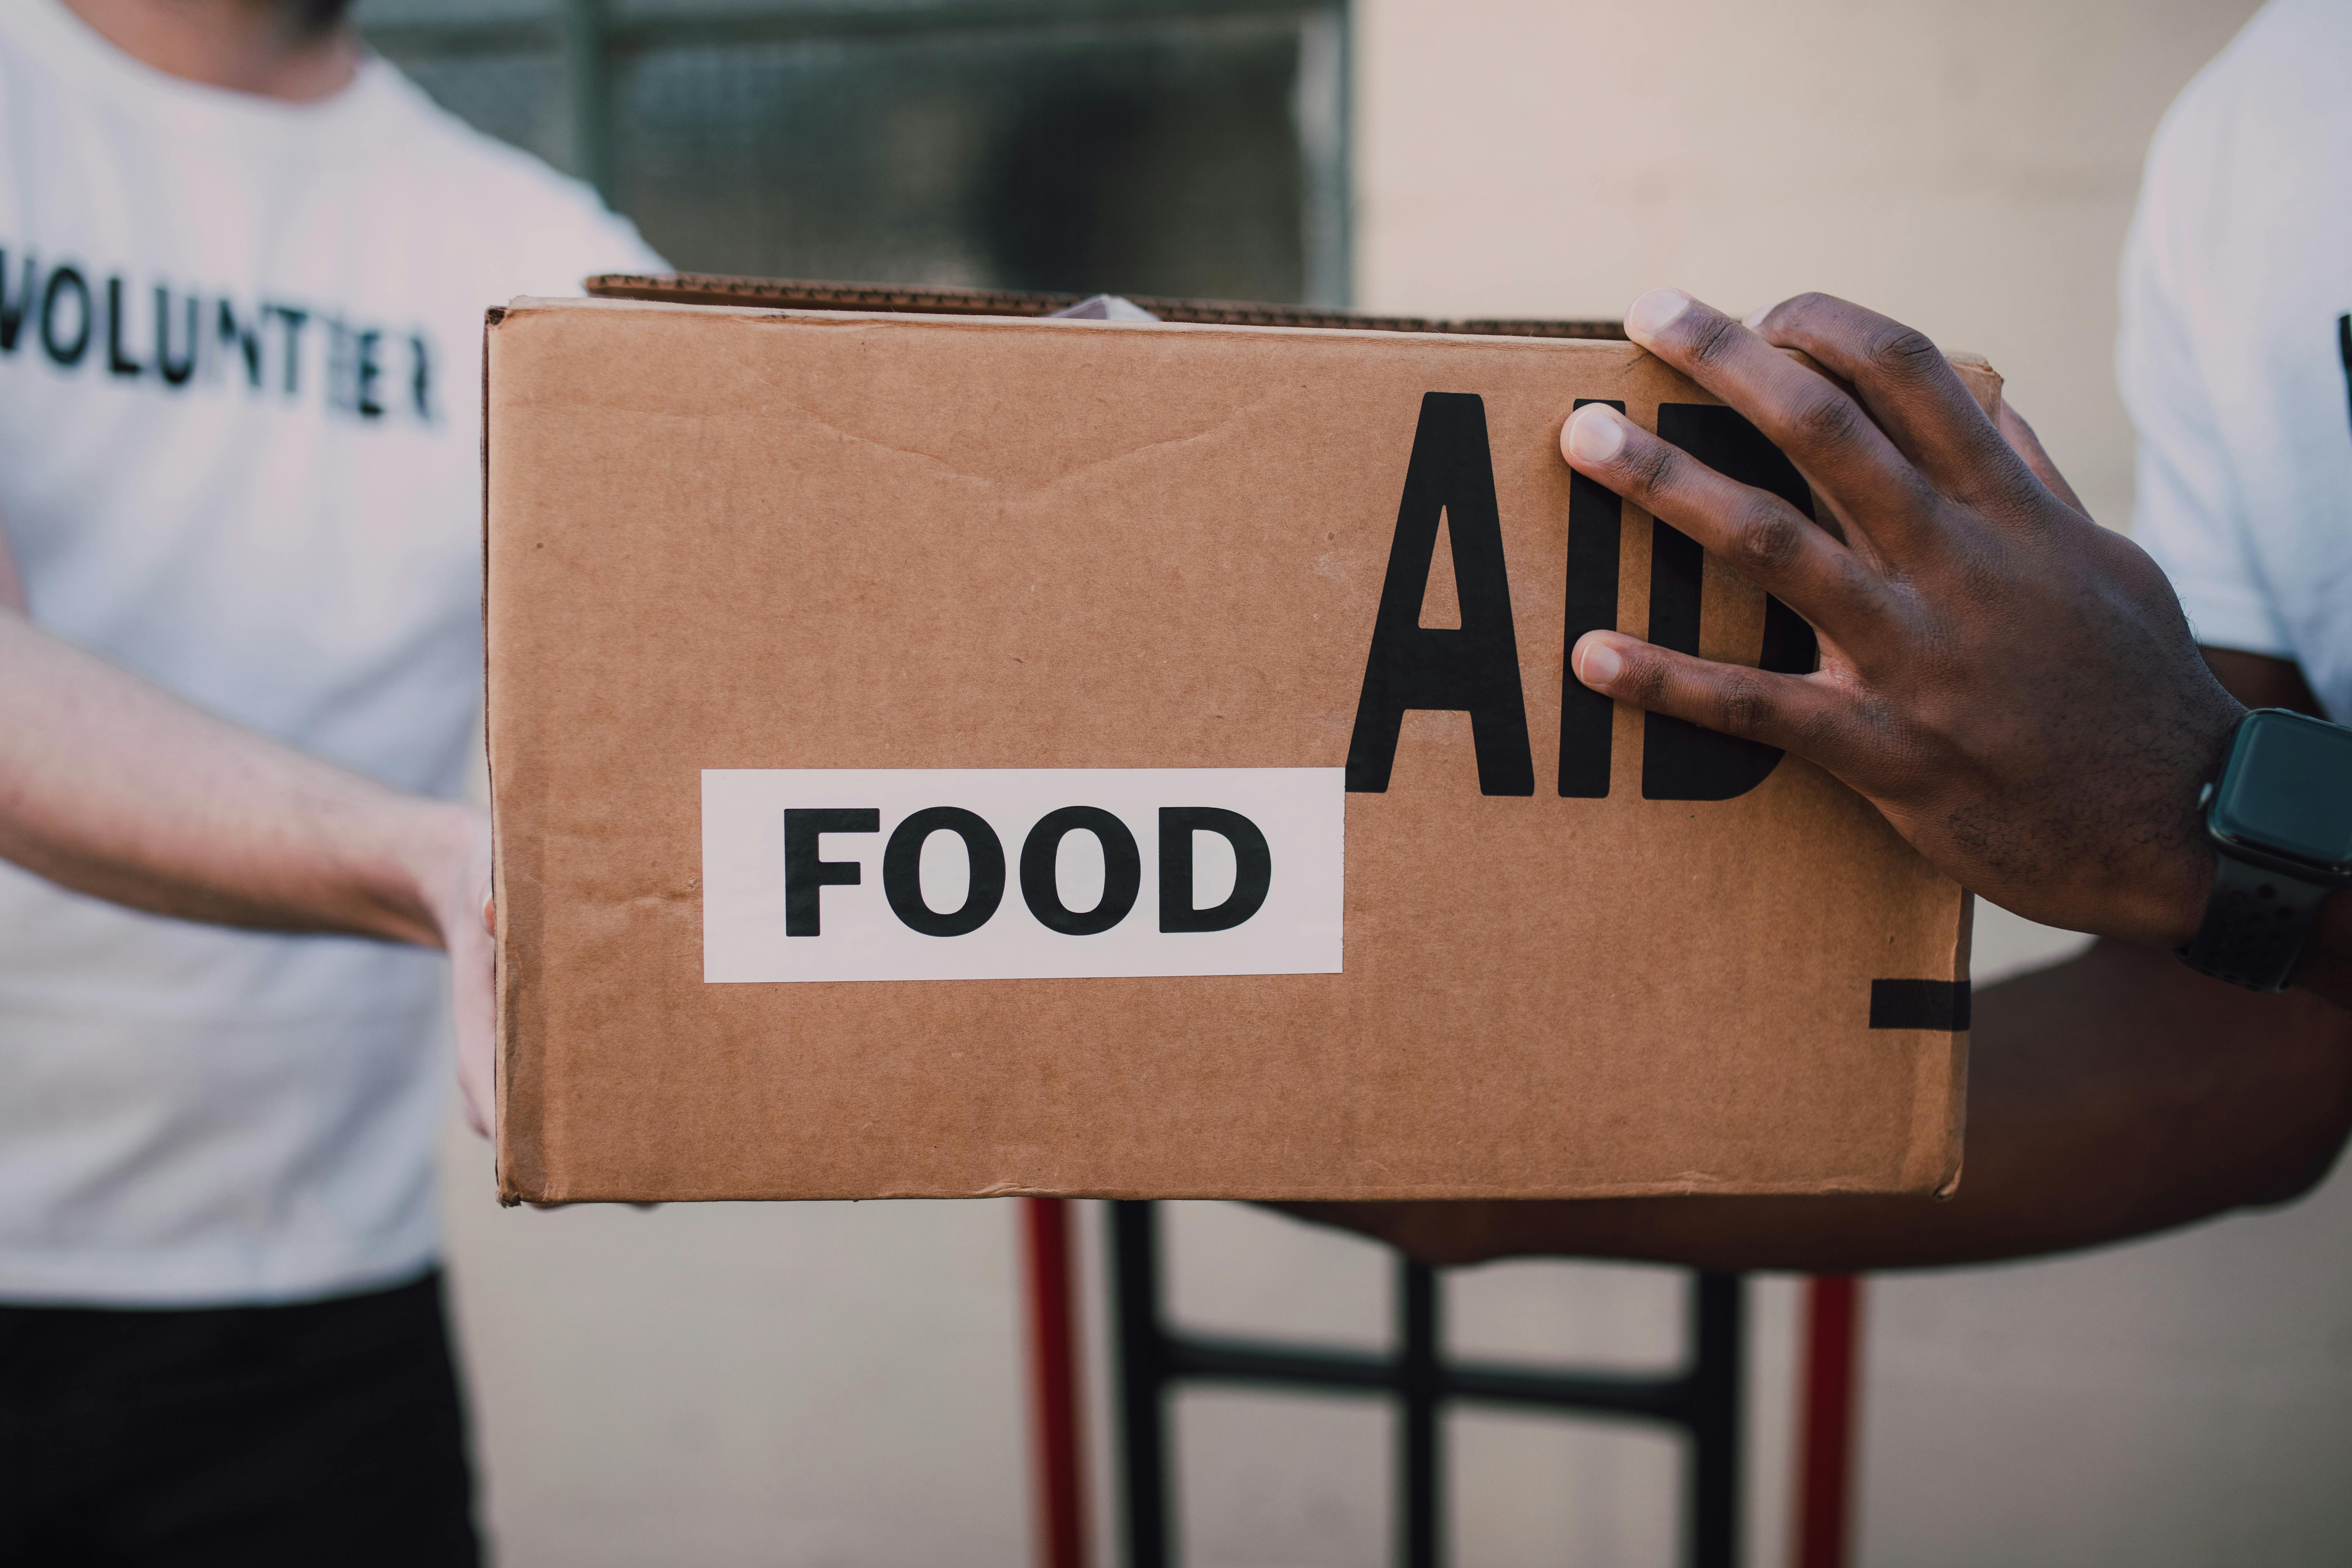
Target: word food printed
<point x="824" y="874"/>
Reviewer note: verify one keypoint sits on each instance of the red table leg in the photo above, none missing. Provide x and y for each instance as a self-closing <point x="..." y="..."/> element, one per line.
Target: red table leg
<point x="1054" y="1365"/>
<point x="1825" y="1453"/>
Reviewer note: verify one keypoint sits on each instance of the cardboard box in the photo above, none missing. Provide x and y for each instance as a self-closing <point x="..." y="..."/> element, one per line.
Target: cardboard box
<point x="1345" y="891"/>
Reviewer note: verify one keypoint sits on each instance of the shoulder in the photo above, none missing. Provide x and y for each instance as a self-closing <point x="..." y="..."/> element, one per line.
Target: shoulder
<point x="2227" y="201"/>
<point x="506" y="199"/>
<point x="2282" y="89"/>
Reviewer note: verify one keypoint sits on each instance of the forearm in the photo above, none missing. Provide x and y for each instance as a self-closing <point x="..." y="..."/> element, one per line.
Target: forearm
<point x="114" y="788"/>
<point x="2109" y="1096"/>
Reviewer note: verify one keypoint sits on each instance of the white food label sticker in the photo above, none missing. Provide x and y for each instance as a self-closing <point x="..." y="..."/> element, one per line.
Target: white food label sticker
<point x="1021" y="873"/>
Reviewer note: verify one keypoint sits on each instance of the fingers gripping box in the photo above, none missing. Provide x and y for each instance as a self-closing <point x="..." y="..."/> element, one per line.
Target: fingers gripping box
<point x="940" y="757"/>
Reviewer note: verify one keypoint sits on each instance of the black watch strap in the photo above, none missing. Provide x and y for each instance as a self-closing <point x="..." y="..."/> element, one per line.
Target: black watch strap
<point x="2255" y="922"/>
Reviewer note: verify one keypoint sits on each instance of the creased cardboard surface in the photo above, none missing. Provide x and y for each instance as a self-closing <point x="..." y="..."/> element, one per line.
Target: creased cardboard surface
<point x="728" y="539"/>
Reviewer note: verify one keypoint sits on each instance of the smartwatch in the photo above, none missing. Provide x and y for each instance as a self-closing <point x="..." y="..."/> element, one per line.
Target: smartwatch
<point x="2280" y="817"/>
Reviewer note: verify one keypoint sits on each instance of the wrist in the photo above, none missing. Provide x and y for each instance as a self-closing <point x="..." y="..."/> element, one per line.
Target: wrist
<point x="438" y="853"/>
<point x="2182" y="891"/>
<point x="2179" y="910"/>
<point x="2276" y="816"/>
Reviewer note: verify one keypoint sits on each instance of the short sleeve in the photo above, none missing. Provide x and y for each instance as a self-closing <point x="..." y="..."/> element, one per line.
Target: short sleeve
<point x="2190" y="512"/>
<point x="573" y="237"/>
<point x="607" y="242"/>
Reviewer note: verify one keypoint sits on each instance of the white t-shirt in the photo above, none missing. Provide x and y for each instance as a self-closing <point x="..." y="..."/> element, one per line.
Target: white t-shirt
<point x="240" y="351"/>
<point x="2236" y="354"/>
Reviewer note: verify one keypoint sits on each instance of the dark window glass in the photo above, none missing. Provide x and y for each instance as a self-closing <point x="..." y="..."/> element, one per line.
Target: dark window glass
<point x="515" y="96"/>
<point x="1128" y="148"/>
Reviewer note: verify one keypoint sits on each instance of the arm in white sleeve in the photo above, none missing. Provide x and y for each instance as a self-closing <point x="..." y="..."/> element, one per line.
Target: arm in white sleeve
<point x="114" y="788"/>
<point x="2190" y="512"/>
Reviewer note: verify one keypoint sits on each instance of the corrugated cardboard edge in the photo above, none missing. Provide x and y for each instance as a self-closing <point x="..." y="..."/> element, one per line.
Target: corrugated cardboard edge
<point x="1938" y="1152"/>
<point x="518" y="1159"/>
<point x="1954" y="1131"/>
<point x="805" y="294"/>
<point x="788" y="316"/>
<point x="1934" y="1160"/>
<point x="490" y="320"/>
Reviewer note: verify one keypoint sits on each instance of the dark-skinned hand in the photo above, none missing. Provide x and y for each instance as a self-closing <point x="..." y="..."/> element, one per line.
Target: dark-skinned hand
<point x="2014" y="687"/>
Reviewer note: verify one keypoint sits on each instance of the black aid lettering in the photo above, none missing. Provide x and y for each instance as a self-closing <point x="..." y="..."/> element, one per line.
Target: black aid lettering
<point x="902" y="871"/>
<point x="289" y="321"/>
<point x="1252" y="867"/>
<point x="245" y="340"/>
<point x="175" y="372"/>
<point x="12" y="312"/>
<point x="1681" y="761"/>
<point x="116" y="361"/>
<point x="365" y="369"/>
<point x="1940" y="1005"/>
<point x="1588" y="718"/>
<point x="1474" y="668"/>
<point x="64" y="351"/>
<point x="420" y="377"/>
<point x="1122" y="870"/>
<point x="804" y="873"/>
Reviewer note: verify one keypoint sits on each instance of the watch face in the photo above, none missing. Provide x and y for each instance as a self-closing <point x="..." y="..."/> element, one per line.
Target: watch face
<point x="2288" y="787"/>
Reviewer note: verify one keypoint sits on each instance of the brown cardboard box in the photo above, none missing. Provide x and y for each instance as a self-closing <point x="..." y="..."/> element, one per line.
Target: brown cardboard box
<point x="1565" y="951"/>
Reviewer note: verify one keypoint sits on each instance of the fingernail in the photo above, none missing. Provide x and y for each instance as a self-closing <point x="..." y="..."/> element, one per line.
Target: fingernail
<point x="1598" y="664"/>
<point x="1754" y="320"/>
<point x="1654" y="312"/>
<point x="1595" y="434"/>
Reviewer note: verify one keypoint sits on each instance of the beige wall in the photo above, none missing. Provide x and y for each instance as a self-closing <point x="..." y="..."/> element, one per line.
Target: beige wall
<point x="1967" y="167"/>
<point x="839" y="1385"/>
<point x="827" y="1384"/>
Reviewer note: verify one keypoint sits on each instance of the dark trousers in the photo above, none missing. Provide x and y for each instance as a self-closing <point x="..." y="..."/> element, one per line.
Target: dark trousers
<point x="325" y="1433"/>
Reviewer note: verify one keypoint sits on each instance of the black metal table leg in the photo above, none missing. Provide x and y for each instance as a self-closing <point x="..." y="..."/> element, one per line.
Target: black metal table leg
<point x="1142" y="1382"/>
<point x="1703" y="1399"/>
<point x="1715" y="1381"/>
<point x="1421" y="1503"/>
